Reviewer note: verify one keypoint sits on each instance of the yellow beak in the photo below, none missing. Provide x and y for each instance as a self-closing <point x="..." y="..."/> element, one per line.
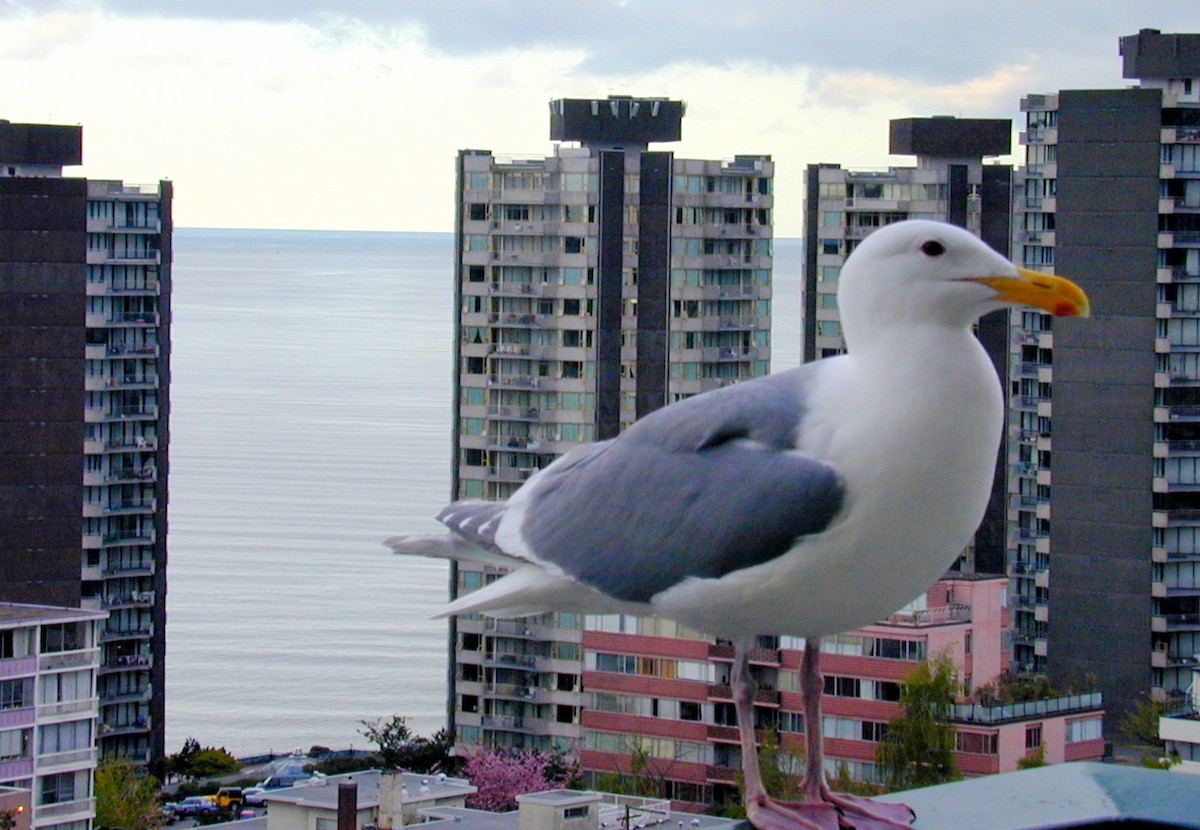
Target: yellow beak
<point x="1056" y="295"/>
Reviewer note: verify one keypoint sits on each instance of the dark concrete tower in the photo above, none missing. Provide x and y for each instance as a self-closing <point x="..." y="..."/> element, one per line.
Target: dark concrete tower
<point x="85" y="280"/>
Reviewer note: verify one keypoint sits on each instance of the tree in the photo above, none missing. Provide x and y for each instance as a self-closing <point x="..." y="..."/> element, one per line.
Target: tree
<point x="210" y="762"/>
<point x="8" y="818"/>
<point x="918" y="748"/>
<point x="1141" y="722"/>
<point x="177" y="765"/>
<point x="126" y="797"/>
<point x="1034" y="759"/>
<point x="391" y="736"/>
<point x="399" y="748"/>
<point x="777" y="767"/>
<point x="502" y="775"/>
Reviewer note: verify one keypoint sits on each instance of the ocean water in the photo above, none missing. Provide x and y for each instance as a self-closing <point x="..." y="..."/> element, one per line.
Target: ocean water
<point x="310" y="420"/>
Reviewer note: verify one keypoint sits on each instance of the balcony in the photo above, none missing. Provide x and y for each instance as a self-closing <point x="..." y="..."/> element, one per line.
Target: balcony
<point x="133" y="599"/>
<point x="121" y="319"/>
<point x="1182" y="622"/>
<point x="517" y="661"/>
<point x="514" y="691"/>
<point x="130" y="537"/>
<point x="105" y="730"/>
<point x="514" y="628"/>
<point x="521" y="289"/>
<point x="67" y="707"/>
<point x="521" y="320"/>
<point x="515" y="413"/>
<point x="60" y="759"/>
<point x="127" y="662"/>
<point x="103" y="256"/>
<point x="980" y="714"/>
<point x="81" y="807"/>
<point x="924" y="618"/>
<point x="81" y="658"/>
<point x="141" y="695"/>
<point x="141" y="633"/>
<point x="514" y="381"/>
<point x="507" y="722"/>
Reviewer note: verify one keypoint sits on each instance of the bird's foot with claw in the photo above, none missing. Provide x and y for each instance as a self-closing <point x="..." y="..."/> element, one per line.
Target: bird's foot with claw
<point x="831" y="811"/>
<point x="769" y="814"/>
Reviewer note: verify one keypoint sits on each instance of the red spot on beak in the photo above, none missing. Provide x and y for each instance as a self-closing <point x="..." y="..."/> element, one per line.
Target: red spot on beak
<point x="1064" y="310"/>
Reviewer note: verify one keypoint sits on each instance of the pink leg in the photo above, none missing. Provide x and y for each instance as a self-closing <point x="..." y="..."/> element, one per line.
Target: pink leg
<point x="764" y="812"/>
<point x="822" y="809"/>
<point x="854" y="811"/>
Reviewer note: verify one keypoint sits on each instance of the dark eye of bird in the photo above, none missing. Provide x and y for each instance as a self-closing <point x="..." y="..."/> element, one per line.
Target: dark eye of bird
<point x="933" y="248"/>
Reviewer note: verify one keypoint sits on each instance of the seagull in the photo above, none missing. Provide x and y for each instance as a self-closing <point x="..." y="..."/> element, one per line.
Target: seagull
<point x="806" y="503"/>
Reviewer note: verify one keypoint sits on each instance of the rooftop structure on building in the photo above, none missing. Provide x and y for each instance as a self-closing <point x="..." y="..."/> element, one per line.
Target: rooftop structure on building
<point x="1103" y="461"/>
<point x="593" y="286"/>
<point x="1086" y="795"/>
<point x="950" y="183"/>
<point x="49" y="658"/>
<point x="84" y="341"/>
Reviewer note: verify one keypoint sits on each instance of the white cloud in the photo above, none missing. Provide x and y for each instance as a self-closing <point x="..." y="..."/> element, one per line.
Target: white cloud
<point x="354" y="121"/>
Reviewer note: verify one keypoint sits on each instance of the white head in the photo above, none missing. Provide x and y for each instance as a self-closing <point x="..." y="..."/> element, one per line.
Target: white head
<point x="919" y="273"/>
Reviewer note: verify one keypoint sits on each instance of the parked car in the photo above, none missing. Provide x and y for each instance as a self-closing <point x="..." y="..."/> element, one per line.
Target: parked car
<point x="195" y="805"/>
<point x="254" y="795"/>
<point x="229" y="797"/>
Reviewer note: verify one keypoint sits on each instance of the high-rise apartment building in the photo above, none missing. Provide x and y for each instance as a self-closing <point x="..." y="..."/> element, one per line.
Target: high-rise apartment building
<point x="48" y="709"/>
<point x="84" y="342"/>
<point x="593" y="287"/>
<point x="949" y="183"/>
<point x="1104" y="461"/>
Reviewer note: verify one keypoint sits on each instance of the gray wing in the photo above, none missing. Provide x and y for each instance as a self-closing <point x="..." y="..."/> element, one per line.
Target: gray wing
<point x="699" y="489"/>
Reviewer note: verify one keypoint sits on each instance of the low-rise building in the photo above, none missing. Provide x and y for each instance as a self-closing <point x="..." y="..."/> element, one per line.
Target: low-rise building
<point x="382" y="800"/>
<point x="49" y="657"/>
<point x="1180" y="728"/>
<point x="661" y="699"/>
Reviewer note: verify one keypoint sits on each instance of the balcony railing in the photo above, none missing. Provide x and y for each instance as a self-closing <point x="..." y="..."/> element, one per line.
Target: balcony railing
<point x="140" y="598"/>
<point x="940" y="615"/>
<point x="58" y="759"/>
<point x="979" y="713"/>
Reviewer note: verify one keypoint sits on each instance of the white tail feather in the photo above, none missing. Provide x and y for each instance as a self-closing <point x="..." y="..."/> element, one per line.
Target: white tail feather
<point x="447" y="546"/>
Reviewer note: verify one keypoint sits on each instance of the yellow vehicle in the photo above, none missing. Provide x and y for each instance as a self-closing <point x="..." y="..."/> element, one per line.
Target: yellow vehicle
<point x="229" y="797"/>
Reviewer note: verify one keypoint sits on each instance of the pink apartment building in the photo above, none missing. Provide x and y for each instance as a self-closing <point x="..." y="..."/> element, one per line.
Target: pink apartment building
<point x="666" y="700"/>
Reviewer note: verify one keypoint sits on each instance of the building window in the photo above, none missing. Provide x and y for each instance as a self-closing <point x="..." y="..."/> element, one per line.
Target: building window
<point x="14" y="643"/>
<point x="842" y="686"/>
<point x="58" y="788"/>
<point x="575" y="812"/>
<point x="791" y="722"/>
<point x="14" y="743"/>
<point x="16" y="694"/>
<point x="975" y="743"/>
<point x="1085" y="729"/>
<point x="65" y="737"/>
<point x="1033" y="736"/>
<point x="63" y="637"/>
<point x="873" y="731"/>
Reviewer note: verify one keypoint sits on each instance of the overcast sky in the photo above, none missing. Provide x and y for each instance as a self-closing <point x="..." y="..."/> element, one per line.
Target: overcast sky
<point x="348" y="115"/>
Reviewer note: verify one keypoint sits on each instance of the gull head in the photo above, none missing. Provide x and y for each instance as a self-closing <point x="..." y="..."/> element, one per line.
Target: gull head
<point x="919" y="272"/>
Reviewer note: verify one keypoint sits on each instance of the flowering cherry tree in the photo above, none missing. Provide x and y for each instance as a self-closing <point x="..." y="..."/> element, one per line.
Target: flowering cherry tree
<point x="502" y="775"/>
